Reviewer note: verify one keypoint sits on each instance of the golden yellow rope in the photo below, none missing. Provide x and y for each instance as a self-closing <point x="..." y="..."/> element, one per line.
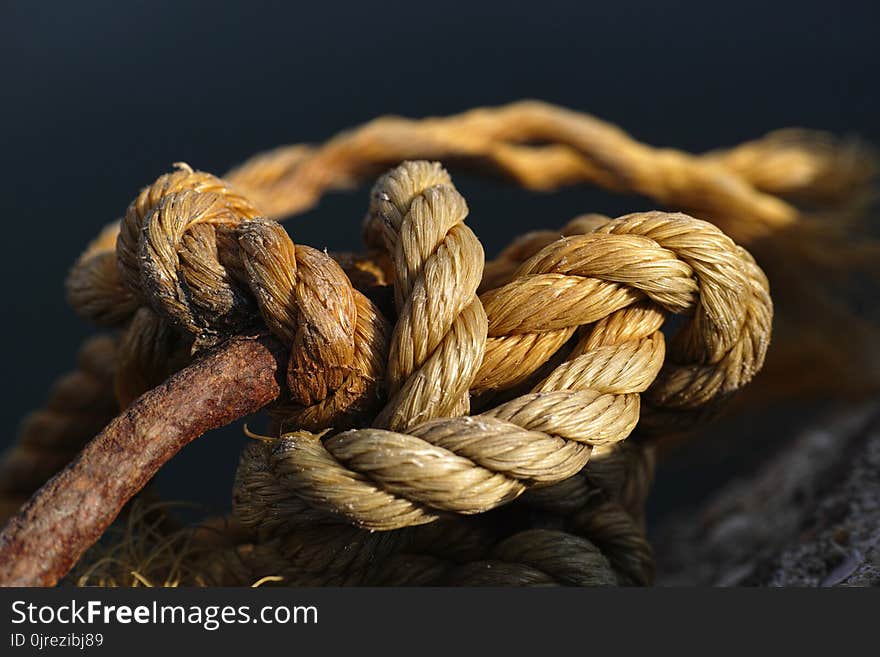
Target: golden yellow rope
<point x="389" y="479"/>
<point x="602" y="506"/>
<point x="556" y="347"/>
<point x="801" y="190"/>
<point x="438" y="341"/>
<point x="572" y="330"/>
<point x="795" y="198"/>
<point x="542" y="146"/>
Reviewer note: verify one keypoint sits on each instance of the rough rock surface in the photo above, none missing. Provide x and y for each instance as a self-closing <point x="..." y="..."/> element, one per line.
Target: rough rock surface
<point x="808" y="517"/>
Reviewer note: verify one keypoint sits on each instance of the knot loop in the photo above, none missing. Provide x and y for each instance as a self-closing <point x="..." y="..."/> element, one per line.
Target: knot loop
<point x="613" y="286"/>
<point x="558" y="356"/>
<point x="438" y="341"/>
<point x="185" y="179"/>
<point x="194" y="262"/>
<point x="338" y="337"/>
<point x="188" y="262"/>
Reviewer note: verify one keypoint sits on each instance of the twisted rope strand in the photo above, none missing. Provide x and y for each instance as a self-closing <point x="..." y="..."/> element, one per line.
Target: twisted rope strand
<point x="798" y="198"/>
<point x="338" y="336"/>
<point x="200" y="260"/>
<point x="437" y="344"/>
<point x="384" y="480"/>
<point x="181" y="271"/>
<point x="138" y="213"/>
<point x="577" y="148"/>
<point x="197" y="252"/>
<point x="454" y="549"/>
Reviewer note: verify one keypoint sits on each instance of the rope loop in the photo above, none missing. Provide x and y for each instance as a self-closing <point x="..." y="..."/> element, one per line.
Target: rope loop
<point x="575" y="335"/>
<point x="438" y="341"/>
<point x="492" y="382"/>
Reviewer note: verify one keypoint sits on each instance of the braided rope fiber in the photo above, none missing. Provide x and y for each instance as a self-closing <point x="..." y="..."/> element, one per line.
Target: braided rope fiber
<point x="558" y="355"/>
<point x="619" y="281"/>
<point x="446" y="421"/>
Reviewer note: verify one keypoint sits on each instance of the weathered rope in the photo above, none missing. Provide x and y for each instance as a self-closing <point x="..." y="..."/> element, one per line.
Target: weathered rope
<point x="589" y="520"/>
<point x="807" y="187"/>
<point x="597" y="512"/>
<point x="542" y="147"/>
<point x="796" y="198"/>
<point x="258" y="490"/>
<point x="204" y="262"/>
<point x="455" y="550"/>
<point x="336" y="333"/>
<point x="384" y="480"/>
<point x="201" y="263"/>
<point x="557" y="347"/>
<point x="438" y="341"/>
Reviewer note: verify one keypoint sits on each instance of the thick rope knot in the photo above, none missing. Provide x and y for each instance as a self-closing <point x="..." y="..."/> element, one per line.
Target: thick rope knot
<point x="188" y="259"/>
<point x="200" y="262"/>
<point x="671" y="262"/>
<point x="106" y="283"/>
<point x="148" y="201"/>
<point x="614" y="287"/>
<point x="338" y="337"/>
<point x="559" y="357"/>
<point x="385" y="480"/>
<point x="163" y="272"/>
<point x="725" y="342"/>
<point x="437" y="343"/>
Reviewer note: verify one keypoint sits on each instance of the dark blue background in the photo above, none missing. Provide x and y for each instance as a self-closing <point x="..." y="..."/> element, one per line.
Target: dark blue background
<point x="99" y="98"/>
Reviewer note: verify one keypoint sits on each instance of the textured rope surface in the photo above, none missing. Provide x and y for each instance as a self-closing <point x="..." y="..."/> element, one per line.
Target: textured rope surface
<point x="384" y="479"/>
<point x="796" y="198"/>
<point x="199" y="263"/>
<point x="438" y="341"/>
<point x="541" y="147"/>
<point x="503" y="391"/>
<point x="557" y="355"/>
<point x="596" y="516"/>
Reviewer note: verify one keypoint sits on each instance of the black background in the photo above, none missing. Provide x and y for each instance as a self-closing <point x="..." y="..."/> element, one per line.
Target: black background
<point x="99" y="98"/>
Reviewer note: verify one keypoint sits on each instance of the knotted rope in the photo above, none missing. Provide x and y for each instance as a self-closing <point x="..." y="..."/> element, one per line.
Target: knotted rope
<point x="620" y="279"/>
<point x="438" y="341"/>
<point x="502" y="391"/>
<point x="796" y="198"/>
<point x="557" y="355"/>
<point x="595" y="516"/>
<point x="803" y="190"/>
<point x="198" y="263"/>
